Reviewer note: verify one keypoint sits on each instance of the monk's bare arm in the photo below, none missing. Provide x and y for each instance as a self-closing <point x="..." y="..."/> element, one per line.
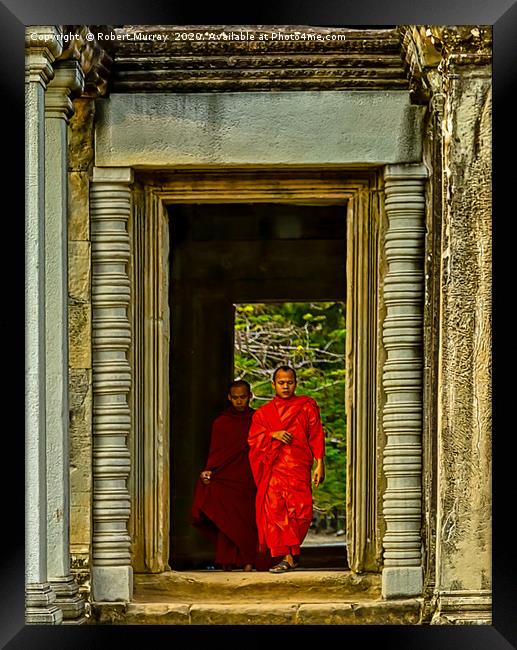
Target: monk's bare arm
<point x="317" y="444"/>
<point x="319" y="473"/>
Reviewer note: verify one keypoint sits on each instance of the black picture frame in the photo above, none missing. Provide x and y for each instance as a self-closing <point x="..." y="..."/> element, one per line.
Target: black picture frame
<point x="14" y="16"/>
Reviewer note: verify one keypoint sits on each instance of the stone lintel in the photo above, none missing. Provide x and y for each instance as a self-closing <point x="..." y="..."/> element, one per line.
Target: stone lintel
<point x="286" y="128"/>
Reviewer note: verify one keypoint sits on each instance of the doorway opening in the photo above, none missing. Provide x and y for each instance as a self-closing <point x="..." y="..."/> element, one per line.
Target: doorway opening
<point x="223" y="257"/>
<point x="309" y="337"/>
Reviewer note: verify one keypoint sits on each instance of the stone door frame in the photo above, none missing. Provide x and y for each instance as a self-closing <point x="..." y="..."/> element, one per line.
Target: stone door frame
<point x="151" y="194"/>
<point x="384" y="278"/>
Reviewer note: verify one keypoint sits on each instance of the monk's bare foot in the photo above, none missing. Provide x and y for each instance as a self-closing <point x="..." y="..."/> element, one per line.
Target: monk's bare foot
<point x="248" y="567"/>
<point x="281" y="567"/>
<point x="289" y="558"/>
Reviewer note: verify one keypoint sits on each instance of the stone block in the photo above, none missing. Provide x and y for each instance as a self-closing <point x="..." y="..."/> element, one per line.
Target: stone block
<point x="80" y="524"/>
<point x="378" y="612"/>
<point x="82" y="499"/>
<point x="79" y="388"/>
<point x="112" y="614"/>
<point x="79" y="271"/>
<point x="158" y="614"/>
<point x="398" y="582"/>
<point x="243" y="614"/>
<point x="325" y="614"/>
<point x="80" y="411"/>
<point x="80" y="405"/>
<point x="78" y="206"/>
<point x="80" y="566"/>
<point x="80" y="336"/>
<point x="392" y="612"/>
<point x="80" y="466"/>
<point x="80" y="135"/>
<point x="112" y="583"/>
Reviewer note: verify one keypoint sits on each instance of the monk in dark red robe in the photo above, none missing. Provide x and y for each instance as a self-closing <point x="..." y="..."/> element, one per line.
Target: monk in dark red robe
<point x="285" y="437"/>
<point x="224" y="498"/>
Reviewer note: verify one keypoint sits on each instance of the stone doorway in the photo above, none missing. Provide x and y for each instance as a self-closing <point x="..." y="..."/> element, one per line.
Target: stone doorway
<point x="222" y="254"/>
<point x="356" y="195"/>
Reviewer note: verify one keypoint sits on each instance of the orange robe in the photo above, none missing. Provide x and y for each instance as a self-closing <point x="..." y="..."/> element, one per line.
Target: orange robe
<point x="282" y="472"/>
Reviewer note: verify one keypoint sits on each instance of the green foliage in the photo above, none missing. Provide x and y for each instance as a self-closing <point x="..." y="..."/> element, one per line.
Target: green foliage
<point x="311" y="338"/>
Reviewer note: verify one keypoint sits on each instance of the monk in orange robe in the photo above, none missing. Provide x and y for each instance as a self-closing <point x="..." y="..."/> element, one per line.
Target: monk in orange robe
<point x="285" y="437"/>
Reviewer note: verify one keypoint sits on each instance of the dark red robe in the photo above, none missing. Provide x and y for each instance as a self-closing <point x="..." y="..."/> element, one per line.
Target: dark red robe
<point x="224" y="510"/>
<point x="282" y="472"/>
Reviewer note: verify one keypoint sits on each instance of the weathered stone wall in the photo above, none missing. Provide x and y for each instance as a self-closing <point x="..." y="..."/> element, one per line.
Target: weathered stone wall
<point x="80" y="340"/>
<point x="464" y="426"/>
<point x="457" y="431"/>
<point x="450" y="71"/>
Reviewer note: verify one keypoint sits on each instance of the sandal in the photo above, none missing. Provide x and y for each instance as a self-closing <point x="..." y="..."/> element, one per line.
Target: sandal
<point x="281" y="567"/>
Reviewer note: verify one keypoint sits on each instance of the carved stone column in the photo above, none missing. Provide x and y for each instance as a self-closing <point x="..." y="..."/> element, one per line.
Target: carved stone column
<point x="402" y="379"/>
<point x="110" y="201"/>
<point x="42" y="47"/>
<point x="68" y="77"/>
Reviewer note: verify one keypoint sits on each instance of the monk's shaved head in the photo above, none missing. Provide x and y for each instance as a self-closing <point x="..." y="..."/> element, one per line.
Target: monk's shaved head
<point x="284" y="369"/>
<point x="239" y="383"/>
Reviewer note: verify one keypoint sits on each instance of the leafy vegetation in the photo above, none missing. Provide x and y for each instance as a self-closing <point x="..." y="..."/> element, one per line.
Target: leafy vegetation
<point x="311" y="338"/>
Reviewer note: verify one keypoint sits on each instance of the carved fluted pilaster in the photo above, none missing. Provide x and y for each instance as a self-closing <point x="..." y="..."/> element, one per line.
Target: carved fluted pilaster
<point x="42" y="46"/>
<point x="110" y="208"/>
<point x="68" y="78"/>
<point x="402" y="379"/>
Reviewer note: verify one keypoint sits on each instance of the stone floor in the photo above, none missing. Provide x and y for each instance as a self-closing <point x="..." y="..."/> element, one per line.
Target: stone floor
<point x="324" y="539"/>
<point x="301" y="597"/>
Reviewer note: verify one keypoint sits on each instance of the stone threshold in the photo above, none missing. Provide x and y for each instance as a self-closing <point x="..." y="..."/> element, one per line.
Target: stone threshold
<point x="301" y="597"/>
<point x="378" y="612"/>
<point x="174" y="586"/>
